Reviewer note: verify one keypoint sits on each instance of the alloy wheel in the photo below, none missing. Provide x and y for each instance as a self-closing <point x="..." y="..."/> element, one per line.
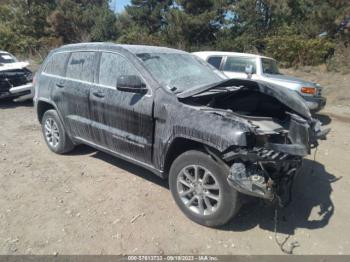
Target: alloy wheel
<point x="52" y="133"/>
<point x="199" y="190"/>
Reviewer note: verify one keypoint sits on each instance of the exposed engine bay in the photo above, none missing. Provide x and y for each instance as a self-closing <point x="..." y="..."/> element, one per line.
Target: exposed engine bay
<point x="279" y="139"/>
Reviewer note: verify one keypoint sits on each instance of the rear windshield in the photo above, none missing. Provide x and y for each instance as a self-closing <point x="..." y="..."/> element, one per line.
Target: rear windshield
<point x="7" y="58"/>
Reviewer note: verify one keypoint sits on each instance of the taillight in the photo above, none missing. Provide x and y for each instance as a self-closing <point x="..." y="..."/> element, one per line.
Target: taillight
<point x="309" y="90"/>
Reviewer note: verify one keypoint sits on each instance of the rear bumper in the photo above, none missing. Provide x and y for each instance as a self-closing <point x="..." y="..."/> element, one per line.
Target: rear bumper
<point x="315" y="103"/>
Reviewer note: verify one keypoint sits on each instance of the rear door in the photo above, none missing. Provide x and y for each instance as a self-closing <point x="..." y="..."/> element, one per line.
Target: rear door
<point x="122" y="121"/>
<point x="71" y="93"/>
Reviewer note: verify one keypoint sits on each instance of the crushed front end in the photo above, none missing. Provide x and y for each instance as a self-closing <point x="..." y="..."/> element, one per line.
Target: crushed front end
<point x="16" y="82"/>
<point x="282" y="132"/>
<point x="267" y="167"/>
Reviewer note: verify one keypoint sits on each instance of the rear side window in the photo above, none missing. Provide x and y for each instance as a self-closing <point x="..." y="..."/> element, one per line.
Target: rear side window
<point x="81" y="66"/>
<point x="112" y="66"/>
<point x="56" y="64"/>
<point x="238" y="64"/>
<point x="215" y="61"/>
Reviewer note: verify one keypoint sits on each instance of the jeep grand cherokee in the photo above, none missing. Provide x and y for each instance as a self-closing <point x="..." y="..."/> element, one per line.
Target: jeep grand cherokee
<point x="212" y="137"/>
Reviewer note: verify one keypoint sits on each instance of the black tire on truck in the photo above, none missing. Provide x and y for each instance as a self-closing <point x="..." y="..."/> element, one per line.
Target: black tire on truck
<point x="199" y="186"/>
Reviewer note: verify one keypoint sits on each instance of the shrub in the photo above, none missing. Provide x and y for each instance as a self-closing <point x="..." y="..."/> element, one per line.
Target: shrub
<point x="294" y="50"/>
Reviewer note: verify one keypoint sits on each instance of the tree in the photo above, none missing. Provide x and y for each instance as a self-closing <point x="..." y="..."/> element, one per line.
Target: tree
<point x="83" y="20"/>
<point x="192" y="24"/>
<point x="24" y="23"/>
<point x="149" y="14"/>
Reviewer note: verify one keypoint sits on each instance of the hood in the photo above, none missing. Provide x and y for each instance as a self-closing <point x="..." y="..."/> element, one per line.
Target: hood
<point x="282" y="94"/>
<point x="11" y="66"/>
<point x="289" y="79"/>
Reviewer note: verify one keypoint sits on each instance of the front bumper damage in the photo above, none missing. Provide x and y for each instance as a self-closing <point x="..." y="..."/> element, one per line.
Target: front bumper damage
<point x="265" y="173"/>
<point x="267" y="170"/>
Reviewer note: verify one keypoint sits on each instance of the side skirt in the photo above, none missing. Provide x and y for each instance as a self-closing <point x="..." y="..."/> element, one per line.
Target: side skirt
<point x="151" y="168"/>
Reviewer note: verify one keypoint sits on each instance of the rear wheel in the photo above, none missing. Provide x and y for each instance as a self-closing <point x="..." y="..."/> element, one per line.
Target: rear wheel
<point x="199" y="187"/>
<point x="55" y="136"/>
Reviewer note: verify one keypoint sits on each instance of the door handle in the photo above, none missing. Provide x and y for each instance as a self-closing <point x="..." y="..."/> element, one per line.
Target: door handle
<point x="60" y="85"/>
<point x="99" y="94"/>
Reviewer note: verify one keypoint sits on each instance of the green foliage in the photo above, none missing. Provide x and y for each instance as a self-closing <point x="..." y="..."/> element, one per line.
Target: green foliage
<point x="149" y="15"/>
<point x="36" y="26"/>
<point x="284" y="29"/>
<point x="83" y="21"/>
<point x="295" y="50"/>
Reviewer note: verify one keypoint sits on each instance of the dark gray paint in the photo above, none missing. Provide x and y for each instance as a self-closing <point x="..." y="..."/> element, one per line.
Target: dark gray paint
<point x="143" y="127"/>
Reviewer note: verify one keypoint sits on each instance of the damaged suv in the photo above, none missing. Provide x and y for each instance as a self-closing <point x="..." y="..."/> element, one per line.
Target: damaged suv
<point x="212" y="137"/>
<point x="15" y="78"/>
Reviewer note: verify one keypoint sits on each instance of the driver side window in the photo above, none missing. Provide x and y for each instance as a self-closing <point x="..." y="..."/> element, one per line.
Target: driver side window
<point x="112" y="66"/>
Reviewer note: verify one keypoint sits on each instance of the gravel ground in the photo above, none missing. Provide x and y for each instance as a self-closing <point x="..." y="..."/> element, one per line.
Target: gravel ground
<point x="88" y="202"/>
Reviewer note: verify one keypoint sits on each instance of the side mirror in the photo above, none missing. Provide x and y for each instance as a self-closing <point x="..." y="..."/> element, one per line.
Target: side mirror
<point x="131" y="83"/>
<point x="249" y="70"/>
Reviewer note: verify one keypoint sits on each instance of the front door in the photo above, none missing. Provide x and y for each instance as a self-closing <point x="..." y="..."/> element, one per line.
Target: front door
<point x="121" y="121"/>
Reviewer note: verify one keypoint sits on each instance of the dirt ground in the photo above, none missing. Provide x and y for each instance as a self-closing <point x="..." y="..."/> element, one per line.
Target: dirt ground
<point x="88" y="202"/>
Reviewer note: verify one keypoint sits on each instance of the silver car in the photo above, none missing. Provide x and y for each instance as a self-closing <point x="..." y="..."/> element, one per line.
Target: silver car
<point x="256" y="67"/>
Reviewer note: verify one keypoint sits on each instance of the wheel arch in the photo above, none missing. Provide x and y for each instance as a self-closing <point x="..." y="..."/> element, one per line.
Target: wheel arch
<point x="180" y="145"/>
<point x="42" y="106"/>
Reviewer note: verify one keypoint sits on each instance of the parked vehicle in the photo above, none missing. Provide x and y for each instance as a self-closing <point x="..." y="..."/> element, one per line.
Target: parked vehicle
<point x="256" y="67"/>
<point x="169" y="112"/>
<point x="15" y="78"/>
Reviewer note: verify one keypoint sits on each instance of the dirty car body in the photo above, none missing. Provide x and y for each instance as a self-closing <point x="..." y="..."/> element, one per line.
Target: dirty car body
<point x="255" y="131"/>
<point x="15" y="78"/>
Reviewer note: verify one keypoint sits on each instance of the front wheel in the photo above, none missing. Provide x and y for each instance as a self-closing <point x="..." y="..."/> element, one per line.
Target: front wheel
<point x="199" y="186"/>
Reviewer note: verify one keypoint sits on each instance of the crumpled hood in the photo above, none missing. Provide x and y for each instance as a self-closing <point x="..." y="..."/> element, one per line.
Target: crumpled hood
<point x="289" y="79"/>
<point x="282" y="94"/>
<point x="11" y="66"/>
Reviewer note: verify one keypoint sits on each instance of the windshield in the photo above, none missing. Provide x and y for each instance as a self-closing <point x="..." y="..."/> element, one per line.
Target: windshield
<point x="6" y="58"/>
<point x="269" y="66"/>
<point x="180" y="72"/>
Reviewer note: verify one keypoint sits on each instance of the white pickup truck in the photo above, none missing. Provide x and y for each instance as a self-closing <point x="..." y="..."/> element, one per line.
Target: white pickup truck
<point x="242" y="65"/>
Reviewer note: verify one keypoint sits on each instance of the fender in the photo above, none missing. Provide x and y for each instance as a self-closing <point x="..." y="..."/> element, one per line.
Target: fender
<point x="50" y="102"/>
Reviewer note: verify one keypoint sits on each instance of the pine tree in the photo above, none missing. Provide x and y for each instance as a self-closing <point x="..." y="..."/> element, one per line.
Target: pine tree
<point x="149" y="14"/>
<point x="195" y="23"/>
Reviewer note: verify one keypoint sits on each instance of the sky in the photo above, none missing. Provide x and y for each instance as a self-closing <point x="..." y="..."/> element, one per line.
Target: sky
<point x="118" y="5"/>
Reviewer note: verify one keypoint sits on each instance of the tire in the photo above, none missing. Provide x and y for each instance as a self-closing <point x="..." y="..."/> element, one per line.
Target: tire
<point x="54" y="133"/>
<point x="215" y="212"/>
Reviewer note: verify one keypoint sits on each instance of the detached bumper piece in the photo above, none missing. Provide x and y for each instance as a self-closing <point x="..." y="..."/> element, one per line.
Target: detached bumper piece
<point x="263" y="173"/>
